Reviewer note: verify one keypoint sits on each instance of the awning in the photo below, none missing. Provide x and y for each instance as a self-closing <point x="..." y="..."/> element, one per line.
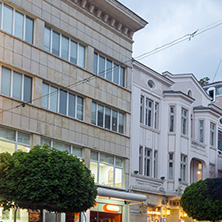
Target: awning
<point x="120" y="195"/>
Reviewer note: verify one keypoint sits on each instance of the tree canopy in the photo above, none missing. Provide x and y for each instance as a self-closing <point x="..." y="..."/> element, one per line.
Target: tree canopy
<point x="46" y="178"/>
<point x="204" y="81"/>
<point x="203" y="200"/>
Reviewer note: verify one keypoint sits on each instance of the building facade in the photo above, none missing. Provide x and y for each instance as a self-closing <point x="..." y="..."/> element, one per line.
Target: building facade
<point x="65" y="80"/>
<point x="175" y="141"/>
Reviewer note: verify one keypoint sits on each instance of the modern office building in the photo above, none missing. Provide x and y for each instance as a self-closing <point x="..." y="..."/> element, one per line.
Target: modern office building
<point x="65" y="80"/>
<point x="176" y="140"/>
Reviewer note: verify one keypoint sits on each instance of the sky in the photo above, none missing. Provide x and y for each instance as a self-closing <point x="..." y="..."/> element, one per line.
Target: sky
<point x="171" y="20"/>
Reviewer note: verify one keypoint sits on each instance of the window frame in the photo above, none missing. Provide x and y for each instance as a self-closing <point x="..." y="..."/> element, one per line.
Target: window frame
<point x="103" y="123"/>
<point x="184" y="121"/>
<point x="212" y="133"/>
<point x="105" y="72"/>
<point x="11" y="84"/>
<point x="13" y="23"/>
<point x="212" y="170"/>
<point x="170" y="162"/>
<point x="183" y="167"/>
<point x="147" y="162"/>
<point x="201" y="131"/>
<point x="114" y="165"/>
<point x="172" y="116"/>
<point x="79" y="45"/>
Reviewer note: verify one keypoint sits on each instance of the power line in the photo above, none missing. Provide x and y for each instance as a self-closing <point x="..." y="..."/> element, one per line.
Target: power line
<point x="149" y="53"/>
<point x="217" y="70"/>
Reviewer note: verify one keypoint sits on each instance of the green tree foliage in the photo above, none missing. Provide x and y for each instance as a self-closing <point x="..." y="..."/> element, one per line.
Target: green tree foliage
<point x="204" y="81"/>
<point x="203" y="200"/>
<point x="46" y="178"/>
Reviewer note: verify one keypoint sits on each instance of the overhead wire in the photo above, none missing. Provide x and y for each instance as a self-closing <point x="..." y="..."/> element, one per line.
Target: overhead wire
<point x="149" y="53"/>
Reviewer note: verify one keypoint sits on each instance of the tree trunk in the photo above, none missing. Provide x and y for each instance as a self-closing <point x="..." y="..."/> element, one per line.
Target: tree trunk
<point x="15" y="214"/>
<point x="41" y="215"/>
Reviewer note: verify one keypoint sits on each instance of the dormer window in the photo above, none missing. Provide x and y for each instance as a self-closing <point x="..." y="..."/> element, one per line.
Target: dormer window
<point x="211" y="92"/>
<point x="189" y="93"/>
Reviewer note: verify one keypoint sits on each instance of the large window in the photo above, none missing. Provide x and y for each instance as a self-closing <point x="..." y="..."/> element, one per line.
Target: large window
<point x="64" y="47"/>
<point x="140" y="160"/>
<point x="107" y="169"/>
<point x="170" y="162"/>
<point x="107" y="118"/>
<point x="201" y="131"/>
<point x="184" y="121"/>
<point x="12" y="140"/>
<point x="16" y="23"/>
<point x="142" y="109"/>
<point x="72" y="149"/>
<point x="220" y="140"/>
<point x="212" y="134"/>
<point x="149" y="112"/>
<point x="109" y="70"/>
<point x="61" y="101"/>
<point x="147" y="162"/>
<point x="183" y="164"/>
<point x="172" y="118"/>
<point x="155" y="164"/>
<point x="16" y="85"/>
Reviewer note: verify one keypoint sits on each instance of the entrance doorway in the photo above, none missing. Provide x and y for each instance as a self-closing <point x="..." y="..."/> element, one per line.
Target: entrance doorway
<point x="96" y="216"/>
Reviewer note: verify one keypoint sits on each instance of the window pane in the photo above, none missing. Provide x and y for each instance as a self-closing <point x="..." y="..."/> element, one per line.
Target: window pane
<point x="118" y="177"/>
<point x="47" y="39"/>
<point x="19" y="24"/>
<point x="93" y="115"/>
<point x="72" y="101"/>
<point x="55" y="43"/>
<point x="100" y="115"/>
<point x="109" y="70"/>
<point x="94" y="170"/>
<point x="95" y="63"/>
<point x="6" y="81"/>
<point x="77" y="151"/>
<point x="29" y="30"/>
<point x="121" y="122"/>
<point x="73" y="53"/>
<point x="23" y="148"/>
<point x="61" y="146"/>
<point x="79" y="108"/>
<point x="24" y="138"/>
<point x="65" y="47"/>
<point x="101" y="66"/>
<point x="63" y="102"/>
<point x="7" y="147"/>
<point x="122" y="76"/>
<point x="105" y="158"/>
<point x="94" y="156"/>
<point x="17" y="85"/>
<point x="81" y="58"/>
<point x="114" y="120"/>
<point x="107" y="118"/>
<point x="45" y="95"/>
<point x="119" y="162"/>
<point x="7" y="19"/>
<point x="53" y="99"/>
<point x="27" y="89"/>
<point x="116" y="74"/>
<point x="45" y="141"/>
<point x="106" y="175"/>
<point x="7" y="134"/>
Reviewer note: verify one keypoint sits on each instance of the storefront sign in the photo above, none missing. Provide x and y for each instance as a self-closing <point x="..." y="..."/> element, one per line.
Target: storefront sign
<point x="34" y="216"/>
<point x="134" y="211"/>
<point x="111" y="208"/>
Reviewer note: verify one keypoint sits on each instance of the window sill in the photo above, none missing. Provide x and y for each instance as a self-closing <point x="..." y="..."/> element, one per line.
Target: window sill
<point x="212" y="147"/>
<point x="149" y="128"/>
<point x="184" y="136"/>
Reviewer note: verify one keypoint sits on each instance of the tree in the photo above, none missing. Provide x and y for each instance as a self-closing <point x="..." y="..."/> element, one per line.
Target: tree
<point x="204" y="81"/>
<point x="203" y="200"/>
<point x="46" y="178"/>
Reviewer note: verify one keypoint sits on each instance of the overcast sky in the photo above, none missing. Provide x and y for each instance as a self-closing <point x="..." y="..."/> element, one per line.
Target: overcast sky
<point x="170" y="20"/>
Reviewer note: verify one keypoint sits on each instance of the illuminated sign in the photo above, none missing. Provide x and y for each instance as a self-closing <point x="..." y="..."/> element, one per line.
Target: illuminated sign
<point x="111" y="208"/>
<point x="153" y="212"/>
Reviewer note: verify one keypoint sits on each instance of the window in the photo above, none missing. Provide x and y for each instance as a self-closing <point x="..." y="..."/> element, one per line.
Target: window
<point x="107" y="169"/>
<point x="16" y="85"/>
<point x="148" y="117"/>
<point x="220" y="140"/>
<point x="172" y="118"/>
<point x="201" y="132"/>
<point x="109" y="70"/>
<point x="64" y="47"/>
<point x="147" y="162"/>
<point x="212" y="134"/>
<point x="211" y="170"/>
<point x="156" y="115"/>
<point x="16" y="23"/>
<point x="171" y="161"/>
<point x="140" y="160"/>
<point x="184" y="121"/>
<point x="58" y="100"/>
<point x="12" y="140"/>
<point x="211" y="93"/>
<point x="199" y="171"/>
<point x="72" y="149"/>
<point x="142" y="109"/>
<point x="183" y="163"/>
<point x="155" y="164"/>
<point x="107" y="118"/>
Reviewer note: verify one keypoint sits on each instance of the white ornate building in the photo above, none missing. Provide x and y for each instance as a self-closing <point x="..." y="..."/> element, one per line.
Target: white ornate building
<point x="174" y="140"/>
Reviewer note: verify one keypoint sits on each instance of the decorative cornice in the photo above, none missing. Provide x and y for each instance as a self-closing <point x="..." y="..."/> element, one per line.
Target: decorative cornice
<point x="124" y="21"/>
